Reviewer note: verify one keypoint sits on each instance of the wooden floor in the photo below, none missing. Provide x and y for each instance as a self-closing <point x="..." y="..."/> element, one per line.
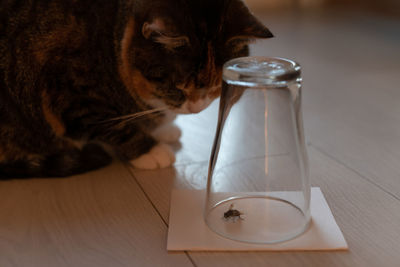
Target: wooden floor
<point x="119" y="217"/>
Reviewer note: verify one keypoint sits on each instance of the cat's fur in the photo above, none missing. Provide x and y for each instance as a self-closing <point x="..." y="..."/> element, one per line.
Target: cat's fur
<point x="77" y="77"/>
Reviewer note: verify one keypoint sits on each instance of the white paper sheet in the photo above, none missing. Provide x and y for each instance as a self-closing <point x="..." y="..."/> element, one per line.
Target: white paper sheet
<point x="188" y="231"/>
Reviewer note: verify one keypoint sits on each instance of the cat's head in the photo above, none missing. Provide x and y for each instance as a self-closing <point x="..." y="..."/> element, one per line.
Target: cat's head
<point x="172" y="51"/>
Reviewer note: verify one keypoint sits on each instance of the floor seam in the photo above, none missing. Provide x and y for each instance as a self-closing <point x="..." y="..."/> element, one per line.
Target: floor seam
<point x="155" y="208"/>
<point x="320" y="150"/>
<point x="145" y="194"/>
<point x="190" y="258"/>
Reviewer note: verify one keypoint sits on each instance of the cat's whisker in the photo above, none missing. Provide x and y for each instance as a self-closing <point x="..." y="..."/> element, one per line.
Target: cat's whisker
<point x="136" y="115"/>
<point x="122" y="121"/>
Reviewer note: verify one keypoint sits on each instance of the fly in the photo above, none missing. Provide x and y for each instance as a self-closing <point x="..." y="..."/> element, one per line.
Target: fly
<point x="232" y="214"/>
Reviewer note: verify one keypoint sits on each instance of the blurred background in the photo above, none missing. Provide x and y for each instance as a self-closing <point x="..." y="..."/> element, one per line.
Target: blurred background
<point x="390" y="7"/>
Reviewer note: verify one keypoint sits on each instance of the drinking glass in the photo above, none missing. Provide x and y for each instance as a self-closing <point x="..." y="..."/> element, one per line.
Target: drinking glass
<point x="258" y="188"/>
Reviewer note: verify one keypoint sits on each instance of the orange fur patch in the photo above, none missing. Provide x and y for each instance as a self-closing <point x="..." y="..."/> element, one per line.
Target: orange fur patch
<point x="124" y="66"/>
<point x="216" y="84"/>
<point x="215" y="93"/>
<point x="194" y="96"/>
<point x="133" y="80"/>
<point x="54" y="122"/>
<point x="210" y="76"/>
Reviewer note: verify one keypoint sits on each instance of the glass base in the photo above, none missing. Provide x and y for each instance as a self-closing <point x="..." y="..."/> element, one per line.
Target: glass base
<point x="257" y="219"/>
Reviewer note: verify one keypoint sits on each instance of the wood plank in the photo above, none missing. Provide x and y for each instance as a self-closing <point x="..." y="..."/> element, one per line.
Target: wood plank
<point x="158" y="184"/>
<point x="97" y="219"/>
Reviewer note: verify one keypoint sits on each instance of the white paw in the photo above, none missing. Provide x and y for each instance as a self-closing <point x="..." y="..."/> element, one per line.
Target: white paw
<point x="168" y="133"/>
<point x="160" y="156"/>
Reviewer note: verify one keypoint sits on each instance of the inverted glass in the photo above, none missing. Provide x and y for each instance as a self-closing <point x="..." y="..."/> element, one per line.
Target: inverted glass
<point x="258" y="188"/>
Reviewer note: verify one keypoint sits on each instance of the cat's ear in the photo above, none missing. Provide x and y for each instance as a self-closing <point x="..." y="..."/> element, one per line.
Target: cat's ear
<point x="158" y="31"/>
<point x="243" y="25"/>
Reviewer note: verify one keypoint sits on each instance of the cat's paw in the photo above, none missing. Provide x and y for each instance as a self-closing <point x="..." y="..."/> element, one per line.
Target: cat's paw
<point x="169" y="133"/>
<point x="160" y="156"/>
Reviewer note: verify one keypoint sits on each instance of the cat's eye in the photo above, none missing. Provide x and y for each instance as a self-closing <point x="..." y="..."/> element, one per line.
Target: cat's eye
<point x="238" y="41"/>
<point x="172" y="43"/>
<point x="237" y="44"/>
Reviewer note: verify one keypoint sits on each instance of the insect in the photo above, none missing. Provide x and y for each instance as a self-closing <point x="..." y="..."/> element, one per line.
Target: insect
<point x="232" y="214"/>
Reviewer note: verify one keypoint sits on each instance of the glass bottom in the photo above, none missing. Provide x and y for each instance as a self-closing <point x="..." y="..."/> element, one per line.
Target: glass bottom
<point x="257" y="219"/>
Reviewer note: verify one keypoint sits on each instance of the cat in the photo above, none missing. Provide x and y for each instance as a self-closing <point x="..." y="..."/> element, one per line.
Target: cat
<point x="84" y="81"/>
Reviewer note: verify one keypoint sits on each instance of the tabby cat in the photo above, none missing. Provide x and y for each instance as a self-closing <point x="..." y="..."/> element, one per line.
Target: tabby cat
<point x="83" y="81"/>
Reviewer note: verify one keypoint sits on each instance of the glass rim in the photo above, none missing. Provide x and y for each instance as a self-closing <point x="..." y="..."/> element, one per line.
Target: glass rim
<point x="260" y="70"/>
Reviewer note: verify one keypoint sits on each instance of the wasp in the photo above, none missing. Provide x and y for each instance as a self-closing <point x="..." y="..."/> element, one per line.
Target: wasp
<point x="232" y="214"/>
